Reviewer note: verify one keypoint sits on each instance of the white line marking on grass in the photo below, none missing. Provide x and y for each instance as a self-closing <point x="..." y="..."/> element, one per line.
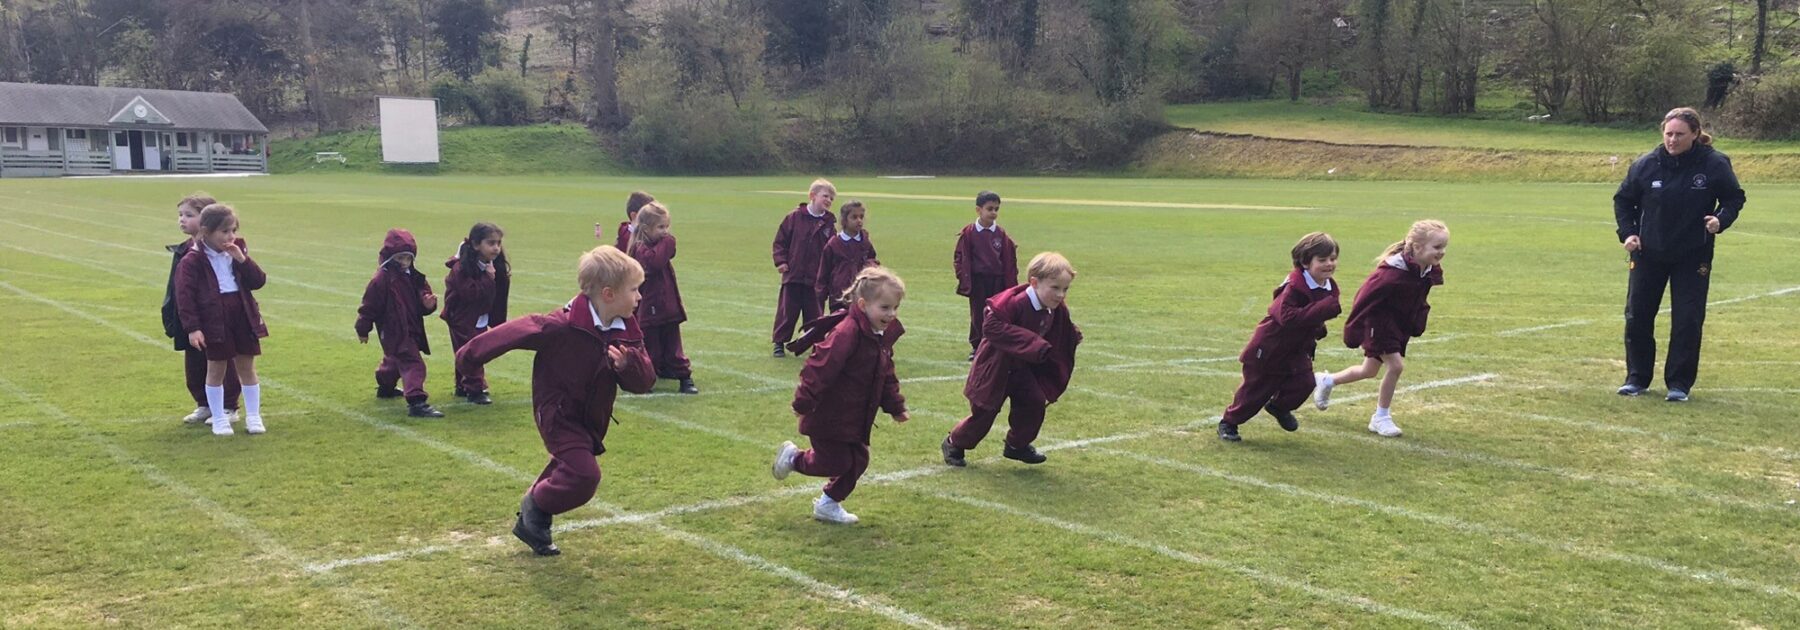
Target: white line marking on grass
<point x="1583" y="322"/>
<point x="1558" y="471"/>
<point x="1328" y="594"/>
<point x="1467" y="527"/>
<point x="1111" y="203"/>
<point x="1532" y="329"/>
<point x="15" y="425"/>
<point x="1777" y="452"/>
<point x="242" y="527"/>
<point x="481" y="461"/>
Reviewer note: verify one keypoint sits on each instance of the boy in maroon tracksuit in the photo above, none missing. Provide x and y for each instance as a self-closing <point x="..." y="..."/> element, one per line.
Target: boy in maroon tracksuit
<point x="188" y="214"/>
<point x="1390" y="309"/>
<point x="636" y="201"/>
<point x="213" y="285"/>
<point x="396" y="300"/>
<point x="844" y="383"/>
<point x="660" y="312"/>
<point x="475" y="292"/>
<point x="799" y="243"/>
<point x="986" y="262"/>
<point x="1278" y="360"/>
<point x="1027" y="354"/>
<point x="586" y="352"/>
<point x="844" y="257"/>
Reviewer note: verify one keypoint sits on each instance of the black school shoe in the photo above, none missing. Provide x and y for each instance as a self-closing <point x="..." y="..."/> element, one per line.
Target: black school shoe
<point x="688" y="387"/>
<point x="388" y="392"/>
<point x="479" y="398"/>
<point x="952" y="454"/>
<point x="1284" y="418"/>
<point x="1027" y="453"/>
<point x="423" y="409"/>
<point x="1228" y="432"/>
<point x="780" y="351"/>
<point x="533" y="528"/>
<point x="460" y="392"/>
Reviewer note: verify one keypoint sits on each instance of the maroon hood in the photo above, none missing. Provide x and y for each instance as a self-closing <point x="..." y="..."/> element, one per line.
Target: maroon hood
<point x="398" y="241"/>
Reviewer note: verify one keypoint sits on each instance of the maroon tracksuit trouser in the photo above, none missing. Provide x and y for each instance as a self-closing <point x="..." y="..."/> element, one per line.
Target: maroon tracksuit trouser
<point x="798" y="304"/>
<point x="1285" y="391"/>
<point x="981" y="287"/>
<point x="663" y="343"/>
<point x="843" y="462"/>
<point x="568" y="481"/>
<point x="405" y="366"/>
<point x="1024" y="420"/>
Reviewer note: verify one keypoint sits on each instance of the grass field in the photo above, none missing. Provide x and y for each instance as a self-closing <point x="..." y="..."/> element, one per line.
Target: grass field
<point x="1346" y="124"/>
<point x="1524" y="494"/>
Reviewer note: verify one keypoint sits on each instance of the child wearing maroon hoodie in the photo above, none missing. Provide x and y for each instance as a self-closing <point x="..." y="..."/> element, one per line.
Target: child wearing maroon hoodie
<point x="475" y="293"/>
<point x="799" y="243"/>
<point x="1390" y="309"/>
<point x="845" y="256"/>
<point x="213" y="282"/>
<point x="1278" y="360"/>
<point x="187" y="213"/>
<point x="1027" y="355"/>
<point x="586" y="352"/>
<point x="659" y="312"/>
<point x="396" y="301"/>
<point x="636" y="201"/>
<point x="986" y="262"/>
<point x="844" y="383"/>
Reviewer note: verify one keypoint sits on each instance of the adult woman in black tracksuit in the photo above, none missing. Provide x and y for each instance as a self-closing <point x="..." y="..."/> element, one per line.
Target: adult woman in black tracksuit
<point x="1673" y="203"/>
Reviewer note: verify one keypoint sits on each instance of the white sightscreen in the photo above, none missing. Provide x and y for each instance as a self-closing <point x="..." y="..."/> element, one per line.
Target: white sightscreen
<point x="409" y="130"/>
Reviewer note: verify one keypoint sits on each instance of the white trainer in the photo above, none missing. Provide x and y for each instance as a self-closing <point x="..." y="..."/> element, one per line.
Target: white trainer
<point x="221" y="425"/>
<point x="253" y="425"/>
<point x="830" y="511"/>
<point x="784" y="460"/>
<point x="1383" y="424"/>
<point x="1322" y="385"/>
<point x="201" y="414"/>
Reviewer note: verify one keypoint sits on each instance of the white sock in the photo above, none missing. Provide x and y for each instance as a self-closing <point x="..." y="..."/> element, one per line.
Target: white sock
<point x="252" y="399"/>
<point x="1328" y="380"/>
<point x="215" y="400"/>
<point x="826" y="498"/>
<point x="1379" y="411"/>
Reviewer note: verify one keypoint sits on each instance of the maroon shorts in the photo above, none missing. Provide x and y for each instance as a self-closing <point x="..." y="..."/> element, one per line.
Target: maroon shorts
<point x="240" y="339"/>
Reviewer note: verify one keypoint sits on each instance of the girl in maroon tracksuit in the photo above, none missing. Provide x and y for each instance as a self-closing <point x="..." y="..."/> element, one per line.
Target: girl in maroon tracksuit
<point x="660" y="314"/>
<point x="845" y="255"/>
<point x="586" y="352"/>
<point x="396" y="300"/>
<point x="1279" y="358"/>
<point x="844" y="383"/>
<point x="1390" y="309"/>
<point x="213" y="282"/>
<point x="475" y="293"/>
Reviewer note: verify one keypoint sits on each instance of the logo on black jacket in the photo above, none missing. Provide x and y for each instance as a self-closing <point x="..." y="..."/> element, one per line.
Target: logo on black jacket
<point x="1700" y="181"/>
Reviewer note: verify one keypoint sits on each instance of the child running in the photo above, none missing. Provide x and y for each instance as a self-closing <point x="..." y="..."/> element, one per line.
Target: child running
<point x="586" y="352"/>
<point x="1027" y="355"/>
<point x="845" y="381"/>
<point x="1390" y="309"/>
<point x="1278" y="360"/>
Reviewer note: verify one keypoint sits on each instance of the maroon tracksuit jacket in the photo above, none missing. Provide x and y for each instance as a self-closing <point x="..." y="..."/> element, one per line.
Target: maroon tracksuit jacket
<point x="198" y="303"/>
<point x="846" y="380"/>
<point x="623" y="238"/>
<point x="573" y="386"/>
<point x="1391" y="306"/>
<point x="1278" y="360"/>
<point x="986" y="263"/>
<point x="466" y="298"/>
<point x="393" y="302"/>
<point x="840" y="262"/>
<point x="1026" y="355"/>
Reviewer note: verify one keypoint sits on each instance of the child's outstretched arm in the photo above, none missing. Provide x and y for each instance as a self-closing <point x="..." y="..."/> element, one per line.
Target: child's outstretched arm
<point x="529" y="333"/>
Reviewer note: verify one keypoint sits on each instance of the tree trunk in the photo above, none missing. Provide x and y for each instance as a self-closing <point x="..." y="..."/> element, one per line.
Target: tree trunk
<point x="1762" y="30"/>
<point x="309" y="64"/>
<point x="603" y="67"/>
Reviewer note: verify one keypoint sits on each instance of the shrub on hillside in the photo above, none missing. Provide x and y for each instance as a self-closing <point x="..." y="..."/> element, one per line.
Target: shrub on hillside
<point x="689" y="129"/>
<point x="1767" y="108"/>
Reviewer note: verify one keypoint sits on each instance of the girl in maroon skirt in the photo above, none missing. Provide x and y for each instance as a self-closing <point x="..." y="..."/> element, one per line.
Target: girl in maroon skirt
<point x="213" y="282"/>
<point x="1390" y="310"/>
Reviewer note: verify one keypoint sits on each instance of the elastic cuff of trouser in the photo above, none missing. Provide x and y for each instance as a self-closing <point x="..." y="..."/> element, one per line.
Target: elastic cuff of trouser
<point x="414" y="400"/>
